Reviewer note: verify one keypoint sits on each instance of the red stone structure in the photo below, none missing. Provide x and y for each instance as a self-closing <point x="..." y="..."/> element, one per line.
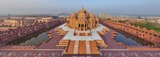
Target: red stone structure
<point x="20" y="32"/>
<point x="143" y="33"/>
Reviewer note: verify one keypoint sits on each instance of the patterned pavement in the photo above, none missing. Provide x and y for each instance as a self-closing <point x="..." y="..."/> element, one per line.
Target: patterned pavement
<point x="51" y="44"/>
<point x="112" y="44"/>
<point x="30" y="53"/>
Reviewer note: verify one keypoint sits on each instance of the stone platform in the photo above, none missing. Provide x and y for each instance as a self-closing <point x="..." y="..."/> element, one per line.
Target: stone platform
<point x="82" y="47"/>
<point x="70" y="35"/>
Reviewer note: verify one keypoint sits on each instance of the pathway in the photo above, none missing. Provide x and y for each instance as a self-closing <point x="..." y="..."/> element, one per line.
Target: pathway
<point x="112" y="44"/>
<point x="51" y="44"/>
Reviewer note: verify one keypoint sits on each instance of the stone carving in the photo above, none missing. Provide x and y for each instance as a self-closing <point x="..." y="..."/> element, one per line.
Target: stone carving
<point x="82" y="20"/>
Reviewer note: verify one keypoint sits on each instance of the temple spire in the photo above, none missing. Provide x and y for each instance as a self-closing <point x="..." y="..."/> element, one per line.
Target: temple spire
<point x="82" y="20"/>
<point x="83" y="9"/>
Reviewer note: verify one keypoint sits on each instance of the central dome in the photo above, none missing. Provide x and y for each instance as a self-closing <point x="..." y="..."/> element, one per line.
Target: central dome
<point x="82" y="20"/>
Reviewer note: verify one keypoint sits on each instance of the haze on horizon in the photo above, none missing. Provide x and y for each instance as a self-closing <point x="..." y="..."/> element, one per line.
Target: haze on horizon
<point x="135" y="7"/>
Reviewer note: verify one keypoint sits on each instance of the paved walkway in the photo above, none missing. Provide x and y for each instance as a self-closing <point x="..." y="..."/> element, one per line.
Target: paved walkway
<point x="30" y="53"/>
<point x="128" y="53"/>
<point x="111" y="42"/>
<point x="70" y="34"/>
<point x="51" y="44"/>
<point x="58" y="53"/>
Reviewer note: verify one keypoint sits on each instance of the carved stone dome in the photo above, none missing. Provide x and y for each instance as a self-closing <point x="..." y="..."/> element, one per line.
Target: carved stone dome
<point x="82" y="20"/>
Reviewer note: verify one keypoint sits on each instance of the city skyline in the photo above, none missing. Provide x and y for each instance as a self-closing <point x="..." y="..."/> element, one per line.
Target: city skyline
<point x="115" y="7"/>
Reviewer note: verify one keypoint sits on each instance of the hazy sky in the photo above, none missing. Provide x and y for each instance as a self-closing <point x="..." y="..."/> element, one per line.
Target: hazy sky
<point x="140" y="7"/>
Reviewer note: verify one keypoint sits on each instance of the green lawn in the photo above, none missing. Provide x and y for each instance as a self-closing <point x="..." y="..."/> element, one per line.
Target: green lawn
<point x="147" y="25"/>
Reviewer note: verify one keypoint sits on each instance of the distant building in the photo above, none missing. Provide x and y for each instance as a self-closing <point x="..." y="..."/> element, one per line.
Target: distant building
<point x="63" y="15"/>
<point x="30" y="18"/>
<point x="104" y="16"/>
<point x="44" y="19"/>
<point x="23" y="21"/>
<point x="153" y="20"/>
<point x="12" y="22"/>
<point x="158" y="21"/>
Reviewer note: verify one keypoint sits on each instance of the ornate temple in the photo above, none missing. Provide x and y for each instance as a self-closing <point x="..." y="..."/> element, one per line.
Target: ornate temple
<point x="82" y="34"/>
<point x="82" y="20"/>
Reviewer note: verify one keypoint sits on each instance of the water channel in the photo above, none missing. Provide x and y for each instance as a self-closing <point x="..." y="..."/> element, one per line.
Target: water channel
<point x="41" y="36"/>
<point x="130" y="40"/>
<point x="33" y="39"/>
